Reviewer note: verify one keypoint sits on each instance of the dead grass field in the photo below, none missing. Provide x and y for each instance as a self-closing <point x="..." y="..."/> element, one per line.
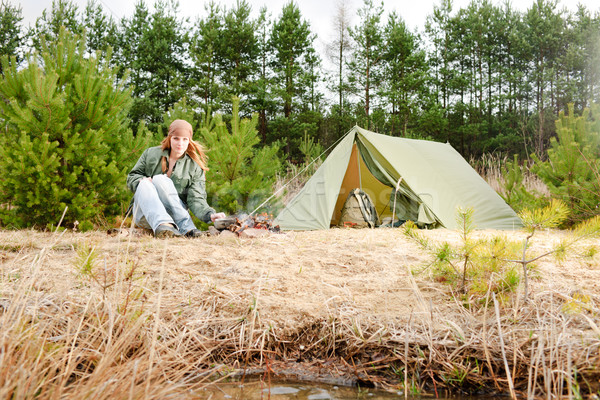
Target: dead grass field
<point x="343" y="305"/>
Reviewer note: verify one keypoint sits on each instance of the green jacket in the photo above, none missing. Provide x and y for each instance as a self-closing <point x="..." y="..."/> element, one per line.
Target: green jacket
<point x="187" y="176"/>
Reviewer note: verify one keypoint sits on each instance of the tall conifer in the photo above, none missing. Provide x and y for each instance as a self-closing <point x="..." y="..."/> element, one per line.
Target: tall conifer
<point x="11" y="37"/>
<point x="364" y="65"/>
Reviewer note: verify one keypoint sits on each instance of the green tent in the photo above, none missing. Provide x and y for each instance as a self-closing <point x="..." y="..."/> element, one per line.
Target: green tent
<point x="432" y="181"/>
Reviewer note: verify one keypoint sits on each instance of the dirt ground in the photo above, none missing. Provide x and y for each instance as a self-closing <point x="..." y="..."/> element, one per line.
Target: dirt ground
<point x="290" y="285"/>
<point x="289" y="277"/>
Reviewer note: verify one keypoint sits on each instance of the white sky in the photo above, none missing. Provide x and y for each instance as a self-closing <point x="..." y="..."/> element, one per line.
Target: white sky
<point x="318" y="12"/>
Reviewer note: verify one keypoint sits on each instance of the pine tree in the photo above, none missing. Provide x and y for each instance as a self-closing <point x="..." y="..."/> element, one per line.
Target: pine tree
<point x="337" y="51"/>
<point x="162" y="68"/>
<point x="11" y="37"/>
<point x="129" y="50"/>
<point x="241" y="175"/>
<point x="205" y="52"/>
<point x="101" y="31"/>
<point x="66" y="141"/>
<point x="64" y="13"/>
<point x="405" y="73"/>
<point x="364" y="65"/>
<point x="572" y="171"/>
<point x="545" y="24"/>
<point x="291" y="40"/>
<point x="261" y="93"/>
<point x="239" y="62"/>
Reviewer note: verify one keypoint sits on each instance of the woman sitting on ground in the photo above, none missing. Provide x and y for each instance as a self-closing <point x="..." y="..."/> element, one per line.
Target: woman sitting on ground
<point x="167" y="180"/>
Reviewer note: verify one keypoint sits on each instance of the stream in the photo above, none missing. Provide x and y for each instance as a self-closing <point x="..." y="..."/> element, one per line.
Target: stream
<point x="256" y="390"/>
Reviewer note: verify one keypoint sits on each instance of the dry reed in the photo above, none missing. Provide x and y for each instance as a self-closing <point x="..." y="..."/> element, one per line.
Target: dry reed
<point x="490" y="167"/>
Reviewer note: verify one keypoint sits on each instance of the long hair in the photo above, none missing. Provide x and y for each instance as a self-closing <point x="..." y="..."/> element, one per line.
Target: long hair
<point x="195" y="150"/>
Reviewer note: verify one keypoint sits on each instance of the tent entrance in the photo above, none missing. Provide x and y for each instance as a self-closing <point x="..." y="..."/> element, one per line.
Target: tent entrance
<point x="359" y="176"/>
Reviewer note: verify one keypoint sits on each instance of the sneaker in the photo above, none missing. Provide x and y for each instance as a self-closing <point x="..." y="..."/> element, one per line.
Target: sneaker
<point x="166" y="231"/>
<point x="194" y="233"/>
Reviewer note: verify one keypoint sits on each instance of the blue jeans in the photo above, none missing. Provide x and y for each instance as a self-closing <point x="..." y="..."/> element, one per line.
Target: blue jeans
<point x="156" y="202"/>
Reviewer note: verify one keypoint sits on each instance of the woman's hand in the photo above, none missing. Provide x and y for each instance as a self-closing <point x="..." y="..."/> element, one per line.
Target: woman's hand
<point x="216" y="216"/>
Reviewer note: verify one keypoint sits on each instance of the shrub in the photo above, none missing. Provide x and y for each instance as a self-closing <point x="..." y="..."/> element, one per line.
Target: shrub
<point x="572" y="171"/>
<point x="241" y="174"/>
<point x="65" y="142"/>
<point x="479" y="267"/>
<point x="515" y="191"/>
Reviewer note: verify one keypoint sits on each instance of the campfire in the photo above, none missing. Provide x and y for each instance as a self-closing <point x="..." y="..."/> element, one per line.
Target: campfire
<point x="242" y="222"/>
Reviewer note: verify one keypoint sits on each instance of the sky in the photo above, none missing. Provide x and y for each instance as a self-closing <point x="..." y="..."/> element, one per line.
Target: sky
<point x="319" y="13"/>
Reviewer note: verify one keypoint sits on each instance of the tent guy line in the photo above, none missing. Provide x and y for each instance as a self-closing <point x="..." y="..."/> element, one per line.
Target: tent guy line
<point x="299" y="173"/>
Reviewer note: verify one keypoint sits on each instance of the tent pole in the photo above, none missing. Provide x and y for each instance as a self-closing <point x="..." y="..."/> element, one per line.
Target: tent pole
<point x="359" y="171"/>
<point x="395" y="197"/>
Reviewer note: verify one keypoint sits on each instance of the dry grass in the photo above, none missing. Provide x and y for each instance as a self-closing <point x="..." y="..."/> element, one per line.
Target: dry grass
<point x="294" y="179"/>
<point x="151" y="319"/>
<point x="490" y="167"/>
<point x="102" y="340"/>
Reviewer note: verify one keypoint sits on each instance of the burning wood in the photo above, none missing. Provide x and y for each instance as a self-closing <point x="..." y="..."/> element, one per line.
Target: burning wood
<point x="245" y="223"/>
<point x="261" y="221"/>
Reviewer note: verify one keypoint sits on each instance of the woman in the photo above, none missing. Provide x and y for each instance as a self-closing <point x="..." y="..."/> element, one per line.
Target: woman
<point x="167" y="180"/>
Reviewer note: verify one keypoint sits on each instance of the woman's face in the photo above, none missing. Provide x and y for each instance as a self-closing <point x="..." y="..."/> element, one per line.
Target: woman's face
<point x="179" y="143"/>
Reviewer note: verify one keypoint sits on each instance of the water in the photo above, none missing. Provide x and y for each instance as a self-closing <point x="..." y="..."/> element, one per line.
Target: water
<point x="257" y="390"/>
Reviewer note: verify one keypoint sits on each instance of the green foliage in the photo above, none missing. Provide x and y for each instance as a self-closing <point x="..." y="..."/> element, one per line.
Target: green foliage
<point x="86" y="259"/>
<point x="515" y="193"/>
<point x="492" y="79"/>
<point x="589" y="228"/>
<point x="464" y="219"/>
<point x="63" y="14"/>
<point x="411" y="230"/>
<point x="294" y="131"/>
<point x="310" y="149"/>
<point x="101" y="31"/>
<point x="472" y="267"/>
<point x="572" y="171"/>
<point x="548" y="217"/>
<point x="337" y="51"/>
<point x="238" y="52"/>
<point x="11" y="37"/>
<point x="66" y="141"/>
<point x="364" y="66"/>
<point x="241" y="175"/>
<point x="590" y="252"/>
<point x="405" y="73"/>
<point x="291" y="41"/>
<point x="205" y="53"/>
<point x="153" y="48"/>
<point x="444" y="253"/>
<point x="227" y="57"/>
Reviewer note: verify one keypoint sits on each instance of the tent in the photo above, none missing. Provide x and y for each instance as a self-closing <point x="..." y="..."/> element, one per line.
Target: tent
<point x="432" y="178"/>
